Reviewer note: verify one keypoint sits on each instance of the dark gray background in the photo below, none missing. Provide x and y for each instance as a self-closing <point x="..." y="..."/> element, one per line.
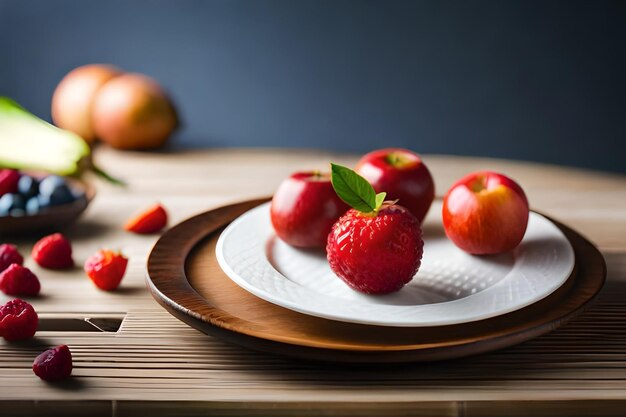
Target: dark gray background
<point x="535" y="80"/>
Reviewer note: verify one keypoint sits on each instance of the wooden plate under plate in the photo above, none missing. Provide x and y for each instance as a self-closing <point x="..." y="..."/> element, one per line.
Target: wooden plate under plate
<point x="185" y="278"/>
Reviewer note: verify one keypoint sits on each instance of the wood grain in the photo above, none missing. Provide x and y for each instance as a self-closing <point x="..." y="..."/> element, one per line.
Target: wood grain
<point x="579" y="369"/>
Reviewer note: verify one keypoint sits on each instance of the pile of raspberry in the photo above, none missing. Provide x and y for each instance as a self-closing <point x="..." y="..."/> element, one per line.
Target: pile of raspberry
<point x="105" y="268"/>
<point x="18" y="318"/>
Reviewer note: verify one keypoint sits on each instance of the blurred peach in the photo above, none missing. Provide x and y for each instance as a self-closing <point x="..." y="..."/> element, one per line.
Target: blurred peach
<point x="73" y="98"/>
<point x="132" y="111"/>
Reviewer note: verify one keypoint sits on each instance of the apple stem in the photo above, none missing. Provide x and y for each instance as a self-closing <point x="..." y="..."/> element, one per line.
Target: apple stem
<point x="393" y="159"/>
<point x="479" y="184"/>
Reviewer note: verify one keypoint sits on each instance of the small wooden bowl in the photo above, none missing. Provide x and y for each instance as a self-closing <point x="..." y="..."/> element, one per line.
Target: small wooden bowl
<point x="53" y="218"/>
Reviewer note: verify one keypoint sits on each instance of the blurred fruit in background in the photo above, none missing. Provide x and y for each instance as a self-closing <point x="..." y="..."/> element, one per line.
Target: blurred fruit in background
<point x="9" y="180"/>
<point x="73" y="98"/>
<point x="132" y="112"/>
<point x="27" y="142"/>
<point x="127" y="111"/>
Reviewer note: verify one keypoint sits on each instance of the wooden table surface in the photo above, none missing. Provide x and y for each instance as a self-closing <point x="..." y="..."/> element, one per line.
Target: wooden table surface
<point x="157" y="364"/>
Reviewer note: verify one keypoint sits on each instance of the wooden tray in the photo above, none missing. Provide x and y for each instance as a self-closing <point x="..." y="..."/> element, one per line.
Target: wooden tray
<point x="185" y="278"/>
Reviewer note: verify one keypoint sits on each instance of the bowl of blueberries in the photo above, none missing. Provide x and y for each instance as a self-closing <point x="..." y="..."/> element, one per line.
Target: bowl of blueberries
<point x="33" y="202"/>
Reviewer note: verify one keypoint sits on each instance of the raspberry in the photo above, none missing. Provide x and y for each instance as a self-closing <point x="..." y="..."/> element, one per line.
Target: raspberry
<point x="376" y="254"/>
<point x="150" y="221"/>
<point x="17" y="280"/>
<point x="53" y="252"/>
<point x="53" y="364"/>
<point x="18" y="320"/>
<point x="9" y="255"/>
<point x="106" y="269"/>
<point x="8" y="181"/>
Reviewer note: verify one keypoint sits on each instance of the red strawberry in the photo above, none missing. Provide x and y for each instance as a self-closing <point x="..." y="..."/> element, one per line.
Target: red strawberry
<point x="18" y="320"/>
<point x="9" y="255"/>
<point x="376" y="254"/>
<point x="8" y="181"/>
<point x="106" y="269"/>
<point x="53" y="364"/>
<point x="150" y="221"/>
<point x="17" y="280"/>
<point x="53" y="252"/>
<point x="377" y="246"/>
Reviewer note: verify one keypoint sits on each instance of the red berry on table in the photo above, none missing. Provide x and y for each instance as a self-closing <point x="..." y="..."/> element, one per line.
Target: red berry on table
<point x="377" y="246"/>
<point x="53" y="252"/>
<point x="9" y="255"/>
<point x="53" y="364"/>
<point x="17" y="280"/>
<point x="152" y="220"/>
<point x="402" y="174"/>
<point x="106" y="269"/>
<point x="485" y="213"/>
<point x="18" y="320"/>
<point x="8" y="181"/>
<point x="304" y="208"/>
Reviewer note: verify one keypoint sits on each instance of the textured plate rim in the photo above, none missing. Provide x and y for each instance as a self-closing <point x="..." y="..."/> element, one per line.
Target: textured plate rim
<point x="269" y="297"/>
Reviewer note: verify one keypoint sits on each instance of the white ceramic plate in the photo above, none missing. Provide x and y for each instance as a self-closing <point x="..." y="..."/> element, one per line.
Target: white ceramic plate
<point x="450" y="287"/>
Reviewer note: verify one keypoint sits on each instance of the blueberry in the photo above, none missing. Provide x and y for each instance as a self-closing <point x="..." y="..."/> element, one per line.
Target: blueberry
<point x="78" y="194"/>
<point x="9" y="202"/>
<point x="17" y="212"/>
<point x="32" y="205"/>
<point x="27" y="186"/>
<point x="55" y="191"/>
<point x="51" y="183"/>
<point x="61" y="195"/>
<point x="44" y="201"/>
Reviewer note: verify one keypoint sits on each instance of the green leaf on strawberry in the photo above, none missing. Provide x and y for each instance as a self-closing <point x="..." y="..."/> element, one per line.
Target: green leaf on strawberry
<point x="380" y="198"/>
<point x="354" y="190"/>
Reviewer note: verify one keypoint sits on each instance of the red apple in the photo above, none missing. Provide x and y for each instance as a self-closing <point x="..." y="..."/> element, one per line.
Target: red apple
<point x="402" y="175"/>
<point x="304" y="209"/>
<point x="485" y="213"/>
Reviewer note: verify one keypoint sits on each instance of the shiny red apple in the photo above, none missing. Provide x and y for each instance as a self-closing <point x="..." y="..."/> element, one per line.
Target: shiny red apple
<point x="403" y="175"/>
<point x="485" y="213"/>
<point x="304" y="208"/>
